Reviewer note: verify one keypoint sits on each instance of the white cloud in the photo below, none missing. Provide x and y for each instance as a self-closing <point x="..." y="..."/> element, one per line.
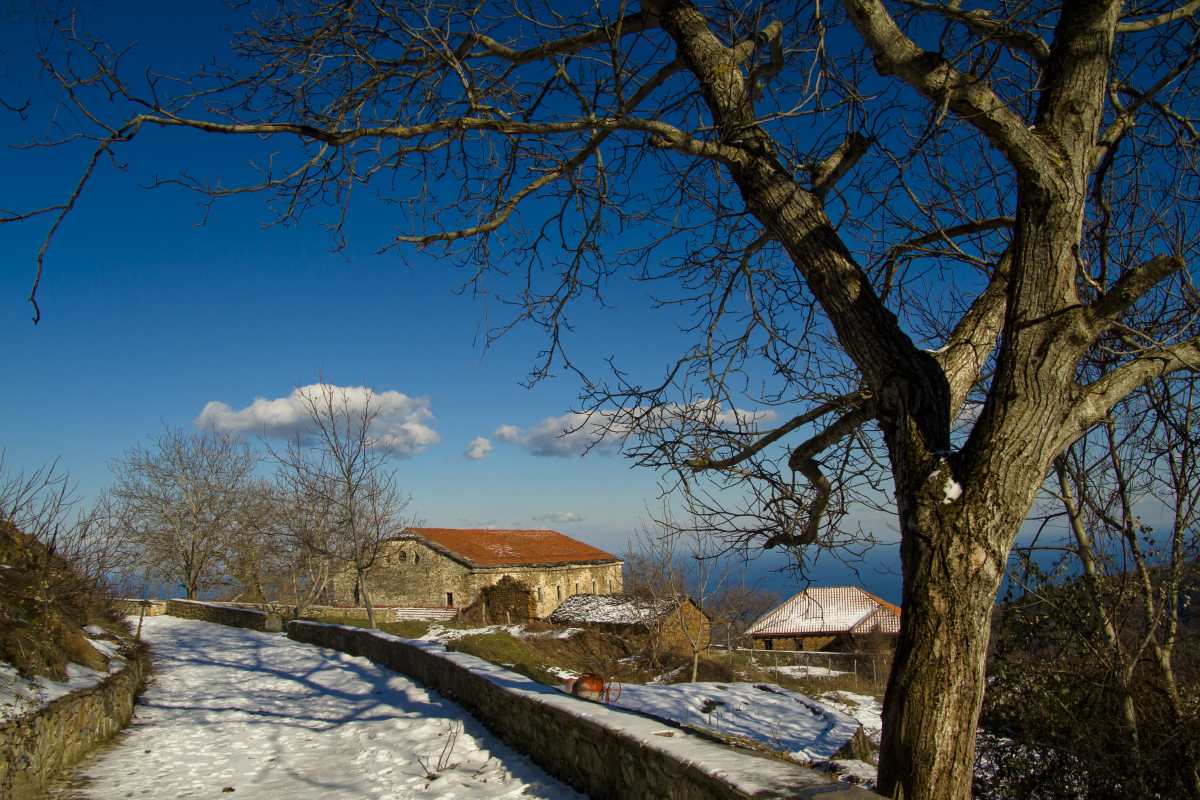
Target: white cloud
<point x="402" y="427"/>
<point x="562" y="436"/>
<point x="560" y="517"/>
<point x="478" y="448"/>
<point x="571" y="434"/>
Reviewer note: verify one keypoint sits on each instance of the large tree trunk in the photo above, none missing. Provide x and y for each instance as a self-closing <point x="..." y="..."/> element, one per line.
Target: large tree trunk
<point x="936" y="687"/>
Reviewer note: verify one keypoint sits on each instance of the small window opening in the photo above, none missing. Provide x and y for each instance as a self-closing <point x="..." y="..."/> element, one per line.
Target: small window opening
<point x="403" y="557"/>
<point x="539" y="594"/>
<point x="593" y="587"/>
<point x="449" y="598"/>
<point x="416" y="558"/>
<point x="558" y="591"/>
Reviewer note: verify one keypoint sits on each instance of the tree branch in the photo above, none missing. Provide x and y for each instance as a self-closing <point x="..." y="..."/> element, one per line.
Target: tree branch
<point x="701" y="463"/>
<point x="1129" y="288"/>
<point x="803" y="460"/>
<point x="1097" y="399"/>
<point x="931" y="75"/>
<point x="634" y="23"/>
<point x="1134" y="26"/>
<point x="980" y="21"/>
<point x="829" y="170"/>
<point x="974" y="337"/>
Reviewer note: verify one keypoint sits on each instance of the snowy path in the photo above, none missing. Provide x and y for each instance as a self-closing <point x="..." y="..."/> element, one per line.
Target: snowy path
<point x="232" y="713"/>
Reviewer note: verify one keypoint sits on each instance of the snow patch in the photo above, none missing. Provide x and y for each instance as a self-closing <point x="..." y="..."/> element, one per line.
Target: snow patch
<point x="952" y="490"/>
<point x="866" y="710"/>
<point x="236" y="710"/>
<point x="808" y="672"/>
<point x="783" y="720"/>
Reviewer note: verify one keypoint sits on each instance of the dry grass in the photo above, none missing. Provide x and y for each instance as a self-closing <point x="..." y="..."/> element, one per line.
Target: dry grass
<point x="44" y="604"/>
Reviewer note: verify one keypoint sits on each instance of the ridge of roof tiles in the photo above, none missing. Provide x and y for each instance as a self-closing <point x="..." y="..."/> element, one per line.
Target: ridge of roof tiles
<point x="612" y="609"/>
<point x="827" y="610"/>
<point x="486" y="547"/>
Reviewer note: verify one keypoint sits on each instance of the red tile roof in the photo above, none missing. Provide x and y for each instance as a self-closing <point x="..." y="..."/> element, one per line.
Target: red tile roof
<point x="497" y="548"/>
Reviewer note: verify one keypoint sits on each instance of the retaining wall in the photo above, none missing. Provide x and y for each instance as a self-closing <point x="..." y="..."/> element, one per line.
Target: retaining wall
<point x="38" y="747"/>
<point x="225" y="615"/>
<point x="131" y="607"/>
<point x="382" y="614"/>
<point x="603" y="751"/>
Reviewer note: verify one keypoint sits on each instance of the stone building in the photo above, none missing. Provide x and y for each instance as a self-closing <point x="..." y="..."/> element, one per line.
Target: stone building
<point x="825" y="618"/>
<point x="677" y="622"/>
<point x="448" y="567"/>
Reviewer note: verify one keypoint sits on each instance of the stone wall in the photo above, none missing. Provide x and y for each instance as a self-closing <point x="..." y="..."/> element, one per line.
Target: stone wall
<point x="382" y="613"/>
<point x="225" y="615"/>
<point x="38" y="747"/>
<point x="131" y="607"/>
<point x="508" y="601"/>
<point x="684" y="628"/>
<point x="603" y="751"/>
<point x="410" y="573"/>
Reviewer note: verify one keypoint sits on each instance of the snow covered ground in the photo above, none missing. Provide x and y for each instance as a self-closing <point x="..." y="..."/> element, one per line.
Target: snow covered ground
<point x="781" y="719"/>
<point x="864" y="708"/>
<point x="808" y="672"/>
<point x="233" y="710"/>
<point x="20" y="695"/>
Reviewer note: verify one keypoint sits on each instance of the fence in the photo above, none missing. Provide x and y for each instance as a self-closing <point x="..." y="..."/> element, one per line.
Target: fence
<point x="869" y="668"/>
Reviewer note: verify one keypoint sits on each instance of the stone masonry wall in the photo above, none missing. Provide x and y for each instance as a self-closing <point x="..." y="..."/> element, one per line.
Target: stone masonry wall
<point x="131" y="607"/>
<point x="552" y="585"/>
<point x="605" y="752"/>
<point x="409" y="573"/>
<point x="36" y="748"/>
<point x="224" y="615"/>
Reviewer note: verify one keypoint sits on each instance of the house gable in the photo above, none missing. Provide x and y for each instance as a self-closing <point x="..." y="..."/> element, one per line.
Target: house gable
<point x="828" y="611"/>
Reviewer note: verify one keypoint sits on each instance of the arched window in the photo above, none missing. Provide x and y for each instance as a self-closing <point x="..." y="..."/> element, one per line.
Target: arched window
<point x="403" y="557"/>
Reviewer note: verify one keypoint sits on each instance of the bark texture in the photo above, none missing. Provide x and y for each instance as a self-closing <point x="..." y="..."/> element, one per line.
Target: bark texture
<point x="959" y="512"/>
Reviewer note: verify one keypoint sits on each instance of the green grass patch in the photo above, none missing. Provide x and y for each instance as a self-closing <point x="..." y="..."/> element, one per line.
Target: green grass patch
<point x="501" y="648"/>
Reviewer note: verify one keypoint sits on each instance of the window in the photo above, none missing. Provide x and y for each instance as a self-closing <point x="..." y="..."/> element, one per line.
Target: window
<point x="576" y="587"/>
<point x="558" y="591"/>
<point x="449" y="598"/>
<point x="593" y="587"/>
<point x="403" y="557"/>
<point x="769" y="644"/>
<point x="416" y="558"/>
<point x="539" y="594"/>
<point x="610" y="591"/>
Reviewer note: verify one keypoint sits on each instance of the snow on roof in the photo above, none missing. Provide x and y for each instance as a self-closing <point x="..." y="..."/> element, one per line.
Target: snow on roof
<point x="829" y="609"/>
<point x="509" y="548"/>
<point x="612" y="609"/>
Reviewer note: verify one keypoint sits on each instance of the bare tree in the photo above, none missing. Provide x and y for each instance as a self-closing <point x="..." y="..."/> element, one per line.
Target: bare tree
<point x="79" y="551"/>
<point x="304" y="526"/>
<point x="181" y="495"/>
<point x="351" y="504"/>
<point x="671" y="564"/>
<point x="1129" y="494"/>
<point x="905" y="224"/>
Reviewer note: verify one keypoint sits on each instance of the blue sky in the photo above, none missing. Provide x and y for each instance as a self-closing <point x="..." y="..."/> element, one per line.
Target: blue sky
<point x="148" y="316"/>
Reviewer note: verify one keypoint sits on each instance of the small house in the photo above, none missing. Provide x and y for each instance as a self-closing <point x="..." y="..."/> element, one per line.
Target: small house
<point x="825" y="618"/>
<point x="678" y="621"/>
